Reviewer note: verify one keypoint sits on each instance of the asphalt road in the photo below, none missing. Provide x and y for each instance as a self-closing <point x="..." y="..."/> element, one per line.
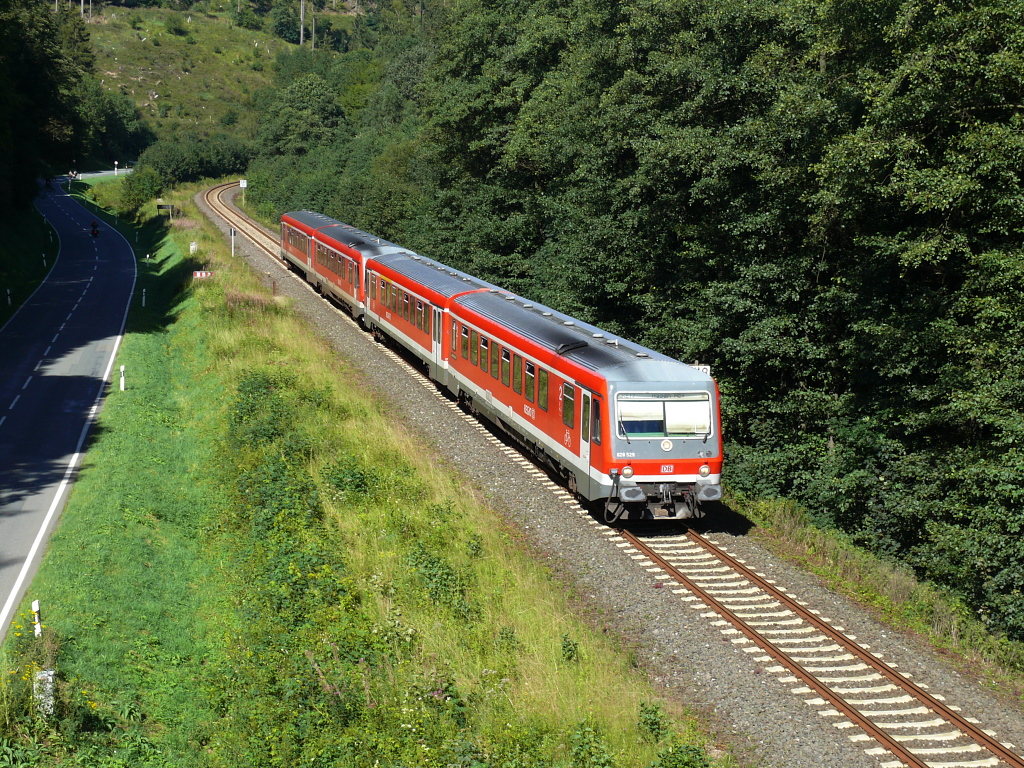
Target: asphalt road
<point x="56" y="357"/>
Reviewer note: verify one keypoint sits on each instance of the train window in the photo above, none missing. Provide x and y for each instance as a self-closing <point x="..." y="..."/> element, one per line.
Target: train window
<point x="465" y="343"/>
<point x="426" y="319"/>
<point x="585" y="420"/>
<point x="455" y="338"/>
<point x="664" y="414"/>
<point x="351" y="272"/>
<point x="494" y="359"/>
<point x="474" y="346"/>
<point x="419" y="314"/>
<point x="405" y="305"/>
<point x="568" y="405"/>
<point x="373" y="289"/>
<point x="506" y="366"/>
<point x="597" y="421"/>
<point x="517" y="374"/>
<point x="542" y="389"/>
<point x="485" y="345"/>
<point x="531" y="380"/>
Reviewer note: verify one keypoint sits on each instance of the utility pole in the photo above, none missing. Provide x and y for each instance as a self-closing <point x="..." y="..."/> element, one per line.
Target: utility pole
<point x="312" y="46"/>
<point x="302" y="21"/>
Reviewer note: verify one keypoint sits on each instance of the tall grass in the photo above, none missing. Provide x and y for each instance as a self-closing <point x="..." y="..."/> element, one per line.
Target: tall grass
<point x="260" y="566"/>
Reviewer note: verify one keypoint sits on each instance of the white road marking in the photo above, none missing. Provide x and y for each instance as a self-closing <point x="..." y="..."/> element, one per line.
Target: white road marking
<point x="11" y="406"/>
<point x="26" y="382"/>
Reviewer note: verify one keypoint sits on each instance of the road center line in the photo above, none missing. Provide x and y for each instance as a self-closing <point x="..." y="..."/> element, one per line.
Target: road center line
<point x="11" y="406"/>
<point x="55" y="338"/>
<point x="2" y="420"/>
<point x="26" y="382"/>
<point x="46" y="351"/>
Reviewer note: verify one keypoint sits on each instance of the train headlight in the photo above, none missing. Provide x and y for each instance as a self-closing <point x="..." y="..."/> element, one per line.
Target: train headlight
<point x="705" y="471"/>
<point x="627" y="471"/>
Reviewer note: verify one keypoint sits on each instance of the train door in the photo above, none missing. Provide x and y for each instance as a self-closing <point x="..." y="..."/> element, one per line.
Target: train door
<point x="436" y="334"/>
<point x="585" y="436"/>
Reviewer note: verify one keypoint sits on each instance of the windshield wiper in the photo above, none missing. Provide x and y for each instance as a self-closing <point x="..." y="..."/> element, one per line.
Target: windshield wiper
<point x="625" y="434"/>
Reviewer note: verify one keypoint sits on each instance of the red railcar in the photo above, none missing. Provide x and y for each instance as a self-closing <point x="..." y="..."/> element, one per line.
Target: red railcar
<point x="619" y="422"/>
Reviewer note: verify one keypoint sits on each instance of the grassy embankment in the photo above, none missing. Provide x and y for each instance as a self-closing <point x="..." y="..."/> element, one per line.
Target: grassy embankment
<point x="27" y="251"/>
<point x="892" y="592"/>
<point x="259" y="566"/>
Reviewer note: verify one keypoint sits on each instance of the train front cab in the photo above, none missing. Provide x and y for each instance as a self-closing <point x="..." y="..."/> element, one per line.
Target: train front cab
<point x="665" y="452"/>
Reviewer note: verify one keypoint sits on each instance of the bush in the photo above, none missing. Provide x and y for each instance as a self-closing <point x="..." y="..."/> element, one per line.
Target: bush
<point x="175" y="24"/>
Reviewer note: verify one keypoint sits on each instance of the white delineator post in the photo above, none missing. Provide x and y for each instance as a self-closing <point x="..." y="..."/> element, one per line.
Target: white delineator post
<point x="42" y="685"/>
<point x="42" y="690"/>
<point x="122" y="378"/>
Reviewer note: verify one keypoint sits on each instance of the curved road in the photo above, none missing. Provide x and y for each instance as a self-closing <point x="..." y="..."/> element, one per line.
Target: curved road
<point x="56" y="354"/>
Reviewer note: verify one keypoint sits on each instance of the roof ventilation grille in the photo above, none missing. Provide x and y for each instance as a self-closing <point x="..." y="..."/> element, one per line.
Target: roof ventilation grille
<point x="570" y="346"/>
<point x="568" y="322"/>
<point x="642" y="354"/>
<point x="546" y="314"/>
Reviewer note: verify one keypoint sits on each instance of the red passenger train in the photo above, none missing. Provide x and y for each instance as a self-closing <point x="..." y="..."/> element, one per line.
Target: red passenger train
<point x="620" y="423"/>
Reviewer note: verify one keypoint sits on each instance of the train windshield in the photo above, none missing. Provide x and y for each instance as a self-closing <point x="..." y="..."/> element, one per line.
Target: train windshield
<point x="664" y="414"/>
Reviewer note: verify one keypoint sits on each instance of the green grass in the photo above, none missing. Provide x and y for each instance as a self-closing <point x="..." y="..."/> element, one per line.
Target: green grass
<point x="259" y="566"/>
<point x="27" y="251"/>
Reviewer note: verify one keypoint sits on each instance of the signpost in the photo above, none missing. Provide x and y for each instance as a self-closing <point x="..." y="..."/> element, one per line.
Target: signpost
<point x="243" y="184"/>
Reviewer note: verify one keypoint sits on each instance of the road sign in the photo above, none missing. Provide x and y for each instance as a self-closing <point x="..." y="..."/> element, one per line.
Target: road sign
<point x="243" y="183"/>
<point x="201" y="275"/>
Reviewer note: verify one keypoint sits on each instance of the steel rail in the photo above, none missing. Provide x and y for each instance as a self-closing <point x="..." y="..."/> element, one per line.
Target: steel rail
<point x="826" y="693"/>
<point x="940" y="709"/>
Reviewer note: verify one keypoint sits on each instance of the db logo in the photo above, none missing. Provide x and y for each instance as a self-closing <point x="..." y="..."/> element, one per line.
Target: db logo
<point x="568" y="437"/>
<point x="666" y="469"/>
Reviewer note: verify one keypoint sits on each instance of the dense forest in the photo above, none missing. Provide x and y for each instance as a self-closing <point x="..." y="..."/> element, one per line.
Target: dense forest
<point x="820" y="199"/>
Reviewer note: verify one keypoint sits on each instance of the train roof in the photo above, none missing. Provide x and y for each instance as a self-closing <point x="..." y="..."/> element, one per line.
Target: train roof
<point x="586" y="345"/>
<point x="329" y="229"/>
<point x="441" y="278"/>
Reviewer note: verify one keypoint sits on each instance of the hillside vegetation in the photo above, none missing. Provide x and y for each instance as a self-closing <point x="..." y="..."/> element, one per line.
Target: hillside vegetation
<point x="190" y="73"/>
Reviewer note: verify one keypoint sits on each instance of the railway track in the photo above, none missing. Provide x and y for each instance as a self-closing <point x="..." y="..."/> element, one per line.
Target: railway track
<point x="881" y="710"/>
<point x="908" y="725"/>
